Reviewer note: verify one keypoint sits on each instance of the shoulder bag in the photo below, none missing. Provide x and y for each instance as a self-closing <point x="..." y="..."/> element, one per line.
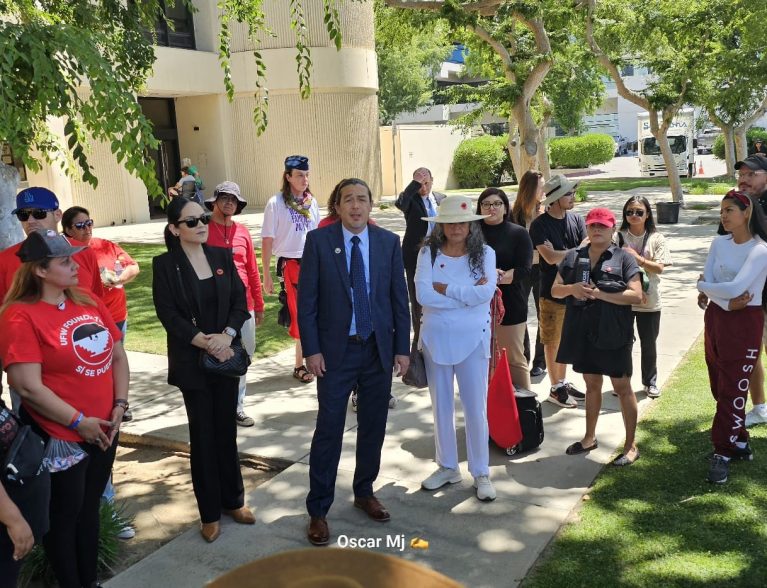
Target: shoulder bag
<point x="235" y="366"/>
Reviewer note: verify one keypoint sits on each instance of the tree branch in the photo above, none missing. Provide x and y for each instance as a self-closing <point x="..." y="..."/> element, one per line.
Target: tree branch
<point x="498" y="47"/>
<point x="483" y="7"/>
<point x="543" y="45"/>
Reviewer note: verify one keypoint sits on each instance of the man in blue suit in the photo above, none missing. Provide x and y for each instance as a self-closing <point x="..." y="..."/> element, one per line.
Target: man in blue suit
<point x="354" y="323"/>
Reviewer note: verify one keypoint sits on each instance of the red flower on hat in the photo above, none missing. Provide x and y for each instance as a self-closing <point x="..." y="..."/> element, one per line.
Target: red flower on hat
<point x="464" y="205"/>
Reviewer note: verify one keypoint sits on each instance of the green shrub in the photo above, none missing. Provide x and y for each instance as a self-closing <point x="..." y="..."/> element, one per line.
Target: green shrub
<point x="751" y="134"/>
<point x="581" y="194"/>
<point x="481" y="161"/>
<point x="583" y="151"/>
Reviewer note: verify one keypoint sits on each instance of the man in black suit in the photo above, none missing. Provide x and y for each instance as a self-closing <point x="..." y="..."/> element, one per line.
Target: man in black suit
<point x="353" y="321"/>
<point x="415" y="202"/>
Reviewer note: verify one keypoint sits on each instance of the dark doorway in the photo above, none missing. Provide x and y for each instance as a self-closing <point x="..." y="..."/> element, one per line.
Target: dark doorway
<point x="162" y="113"/>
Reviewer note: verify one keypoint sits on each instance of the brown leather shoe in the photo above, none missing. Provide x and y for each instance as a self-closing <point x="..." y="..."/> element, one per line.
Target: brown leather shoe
<point x="210" y="531"/>
<point x="318" y="532"/>
<point x="373" y="508"/>
<point x="242" y="515"/>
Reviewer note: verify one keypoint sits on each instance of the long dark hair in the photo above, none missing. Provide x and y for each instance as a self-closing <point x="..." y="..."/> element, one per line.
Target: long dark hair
<point x="475" y="246"/>
<point x="487" y="192"/>
<point x="649" y="224"/>
<point x="68" y="218"/>
<point x="526" y="201"/>
<point x="174" y="214"/>
<point x="757" y="222"/>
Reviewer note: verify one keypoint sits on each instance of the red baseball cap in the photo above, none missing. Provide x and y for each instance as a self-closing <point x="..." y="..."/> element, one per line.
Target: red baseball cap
<point x="602" y="216"/>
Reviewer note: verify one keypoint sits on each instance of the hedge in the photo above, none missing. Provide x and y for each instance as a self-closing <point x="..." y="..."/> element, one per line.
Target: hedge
<point x="481" y="161"/>
<point x="751" y="134"/>
<point x="583" y="151"/>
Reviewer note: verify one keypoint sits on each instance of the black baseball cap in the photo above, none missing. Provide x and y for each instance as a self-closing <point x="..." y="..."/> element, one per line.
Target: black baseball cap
<point x="756" y="162"/>
<point x="46" y="243"/>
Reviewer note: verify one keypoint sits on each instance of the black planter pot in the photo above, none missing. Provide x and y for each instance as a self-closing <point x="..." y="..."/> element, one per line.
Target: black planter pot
<point x="667" y="213"/>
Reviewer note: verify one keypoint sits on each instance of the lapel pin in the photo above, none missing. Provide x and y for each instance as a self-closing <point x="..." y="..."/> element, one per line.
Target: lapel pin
<point x="442" y="265"/>
<point x="219" y="272"/>
<point x="338" y="250"/>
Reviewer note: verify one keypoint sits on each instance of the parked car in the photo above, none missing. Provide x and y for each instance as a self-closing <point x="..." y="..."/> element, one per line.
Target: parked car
<point x="706" y="138"/>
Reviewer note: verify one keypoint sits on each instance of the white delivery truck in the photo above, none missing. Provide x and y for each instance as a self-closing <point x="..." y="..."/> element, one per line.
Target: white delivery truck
<point x="680" y="137"/>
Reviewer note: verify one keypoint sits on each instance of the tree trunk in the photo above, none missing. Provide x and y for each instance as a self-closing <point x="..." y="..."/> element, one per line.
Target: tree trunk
<point x="660" y="132"/>
<point x="10" y="228"/>
<point x="728" y="134"/>
<point x="543" y="155"/>
<point x="528" y="137"/>
<point x="741" y="143"/>
<point x="513" y="147"/>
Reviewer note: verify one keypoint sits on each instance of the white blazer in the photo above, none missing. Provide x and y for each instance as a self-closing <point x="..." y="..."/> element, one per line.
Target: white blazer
<point x="454" y="324"/>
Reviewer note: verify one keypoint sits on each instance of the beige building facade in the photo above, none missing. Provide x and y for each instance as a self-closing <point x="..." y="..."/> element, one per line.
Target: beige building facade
<point x="336" y="127"/>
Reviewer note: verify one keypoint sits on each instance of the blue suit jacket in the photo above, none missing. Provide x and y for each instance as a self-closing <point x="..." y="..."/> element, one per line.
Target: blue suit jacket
<point x="325" y="300"/>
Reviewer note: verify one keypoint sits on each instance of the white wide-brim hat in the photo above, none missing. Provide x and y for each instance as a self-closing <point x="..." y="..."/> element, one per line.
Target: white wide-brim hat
<point x="454" y="209"/>
<point x="556" y="188"/>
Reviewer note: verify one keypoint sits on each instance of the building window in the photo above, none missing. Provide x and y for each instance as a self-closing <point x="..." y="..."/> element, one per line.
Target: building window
<point x="8" y="158"/>
<point x="628" y="71"/>
<point x="175" y="26"/>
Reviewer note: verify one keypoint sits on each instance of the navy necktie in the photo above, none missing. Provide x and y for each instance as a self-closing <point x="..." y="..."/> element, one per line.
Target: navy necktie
<point x="359" y="286"/>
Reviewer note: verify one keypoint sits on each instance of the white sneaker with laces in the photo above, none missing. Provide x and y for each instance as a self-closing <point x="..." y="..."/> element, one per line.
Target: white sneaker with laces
<point x="756" y="417"/>
<point x="652" y="391"/>
<point x="441" y="477"/>
<point x="485" y="490"/>
<point x="127" y="532"/>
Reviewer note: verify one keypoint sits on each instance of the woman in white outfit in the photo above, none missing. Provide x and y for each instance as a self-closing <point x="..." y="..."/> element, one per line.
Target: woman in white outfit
<point x="454" y="281"/>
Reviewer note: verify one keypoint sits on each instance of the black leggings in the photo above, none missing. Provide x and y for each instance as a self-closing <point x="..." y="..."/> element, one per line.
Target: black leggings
<point x="71" y="544"/>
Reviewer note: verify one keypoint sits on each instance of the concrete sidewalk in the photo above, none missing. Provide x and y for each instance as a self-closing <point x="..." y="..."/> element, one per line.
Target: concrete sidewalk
<point x="478" y="544"/>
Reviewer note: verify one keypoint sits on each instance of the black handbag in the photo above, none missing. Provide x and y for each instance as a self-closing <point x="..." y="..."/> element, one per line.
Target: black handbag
<point x="416" y="372"/>
<point x="23" y="458"/>
<point x="235" y="366"/>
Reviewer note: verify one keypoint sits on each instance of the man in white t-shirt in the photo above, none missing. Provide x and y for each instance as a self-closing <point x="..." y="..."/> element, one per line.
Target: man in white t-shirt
<point x="288" y="217"/>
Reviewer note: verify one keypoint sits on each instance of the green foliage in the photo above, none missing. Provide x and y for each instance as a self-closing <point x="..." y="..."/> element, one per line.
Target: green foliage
<point x="481" y="161"/>
<point x="410" y="47"/>
<point x="704" y="187"/>
<point x="751" y="135"/>
<point x="581" y="194"/>
<point x="111" y="521"/>
<point x="583" y="151"/>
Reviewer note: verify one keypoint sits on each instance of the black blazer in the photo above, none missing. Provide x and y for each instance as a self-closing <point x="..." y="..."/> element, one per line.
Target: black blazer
<point x="232" y="311"/>
<point x="412" y="206"/>
<point x="325" y="299"/>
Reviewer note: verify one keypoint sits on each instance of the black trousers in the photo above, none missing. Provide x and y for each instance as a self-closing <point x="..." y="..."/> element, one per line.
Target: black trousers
<point x="415" y="308"/>
<point x="215" y="462"/>
<point x="71" y="543"/>
<point x="648" y="327"/>
<point x="361" y="367"/>
<point x="533" y="283"/>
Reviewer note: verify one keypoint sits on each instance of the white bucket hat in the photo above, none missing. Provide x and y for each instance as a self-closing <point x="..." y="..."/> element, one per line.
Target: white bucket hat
<point x="556" y="187"/>
<point x="454" y="209"/>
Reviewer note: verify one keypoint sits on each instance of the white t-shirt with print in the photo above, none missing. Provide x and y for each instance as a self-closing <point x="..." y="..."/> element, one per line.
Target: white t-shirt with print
<point x="655" y="250"/>
<point x="288" y="227"/>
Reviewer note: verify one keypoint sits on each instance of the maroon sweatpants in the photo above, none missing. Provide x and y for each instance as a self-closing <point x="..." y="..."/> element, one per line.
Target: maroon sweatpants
<point x="733" y="339"/>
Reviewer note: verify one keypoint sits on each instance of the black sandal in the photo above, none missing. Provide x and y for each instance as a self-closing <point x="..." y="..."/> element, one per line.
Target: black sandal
<point x="303" y="375"/>
<point x="577" y="448"/>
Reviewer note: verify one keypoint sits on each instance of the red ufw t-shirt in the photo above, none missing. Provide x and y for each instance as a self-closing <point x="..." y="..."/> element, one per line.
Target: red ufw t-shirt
<point x="107" y="253"/>
<point x="74" y="347"/>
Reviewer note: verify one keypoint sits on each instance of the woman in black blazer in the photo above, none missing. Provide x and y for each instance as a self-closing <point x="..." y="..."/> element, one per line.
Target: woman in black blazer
<point x="200" y="300"/>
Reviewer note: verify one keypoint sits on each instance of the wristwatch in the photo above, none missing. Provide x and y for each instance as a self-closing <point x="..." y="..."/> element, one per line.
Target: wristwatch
<point x="230" y="331"/>
<point x="120" y="402"/>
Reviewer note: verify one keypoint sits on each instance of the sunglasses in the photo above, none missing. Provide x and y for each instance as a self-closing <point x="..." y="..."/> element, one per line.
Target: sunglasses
<point x="38" y="213"/>
<point x="81" y="225"/>
<point x="637" y="213"/>
<point x="193" y="222"/>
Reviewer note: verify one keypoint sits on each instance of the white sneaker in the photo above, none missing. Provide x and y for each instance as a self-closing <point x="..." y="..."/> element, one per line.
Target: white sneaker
<point x="127" y="532"/>
<point x="755" y="417"/>
<point x="652" y="391"/>
<point x="485" y="490"/>
<point x="441" y="477"/>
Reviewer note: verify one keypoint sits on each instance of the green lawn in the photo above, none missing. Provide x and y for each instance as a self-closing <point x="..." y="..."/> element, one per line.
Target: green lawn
<point x="659" y="523"/>
<point x="145" y="333"/>
<point x="696" y="186"/>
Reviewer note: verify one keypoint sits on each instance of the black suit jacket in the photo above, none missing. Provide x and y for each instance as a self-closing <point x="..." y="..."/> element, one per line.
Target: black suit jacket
<point x="411" y="204"/>
<point x="325" y="300"/>
<point x="174" y="313"/>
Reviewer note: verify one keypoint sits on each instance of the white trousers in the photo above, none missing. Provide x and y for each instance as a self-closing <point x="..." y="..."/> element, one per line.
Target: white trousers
<point x="248" y="334"/>
<point x="471" y="374"/>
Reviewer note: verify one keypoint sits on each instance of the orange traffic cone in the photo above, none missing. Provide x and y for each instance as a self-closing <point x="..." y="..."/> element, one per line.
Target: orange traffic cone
<point x="700" y="169"/>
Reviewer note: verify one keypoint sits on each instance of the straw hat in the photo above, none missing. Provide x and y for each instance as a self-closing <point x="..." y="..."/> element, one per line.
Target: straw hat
<point x="454" y="209"/>
<point x="556" y="187"/>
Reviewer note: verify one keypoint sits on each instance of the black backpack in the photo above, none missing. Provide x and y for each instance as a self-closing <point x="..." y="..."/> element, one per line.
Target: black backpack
<point x="531" y="422"/>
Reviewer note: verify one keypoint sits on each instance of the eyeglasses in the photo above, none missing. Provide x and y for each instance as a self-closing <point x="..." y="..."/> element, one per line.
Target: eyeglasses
<point x="38" y="213"/>
<point x="496" y="204"/>
<point x="637" y="213"/>
<point x="747" y="175"/>
<point x="193" y="222"/>
<point x="81" y="225"/>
